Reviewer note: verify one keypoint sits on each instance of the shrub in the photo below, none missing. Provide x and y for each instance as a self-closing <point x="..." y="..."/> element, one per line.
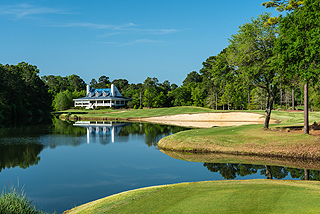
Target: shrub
<point x="135" y="107"/>
<point x="14" y="201"/>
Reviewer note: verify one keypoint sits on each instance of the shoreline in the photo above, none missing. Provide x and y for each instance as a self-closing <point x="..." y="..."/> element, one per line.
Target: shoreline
<point x="196" y="120"/>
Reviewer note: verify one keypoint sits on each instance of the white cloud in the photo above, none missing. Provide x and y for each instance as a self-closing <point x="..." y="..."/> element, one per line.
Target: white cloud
<point x="139" y="41"/>
<point x="95" y="26"/>
<point x="159" y="31"/>
<point x="24" y="10"/>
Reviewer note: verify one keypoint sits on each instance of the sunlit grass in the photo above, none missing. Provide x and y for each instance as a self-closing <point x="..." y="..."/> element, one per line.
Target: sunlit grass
<point x="248" y="196"/>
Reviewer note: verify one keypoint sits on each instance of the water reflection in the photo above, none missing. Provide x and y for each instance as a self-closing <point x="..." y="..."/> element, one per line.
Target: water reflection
<point x="102" y="128"/>
<point x="22" y="146"/>
<point x="232" y="171"/>
<point x="19" y="155"/>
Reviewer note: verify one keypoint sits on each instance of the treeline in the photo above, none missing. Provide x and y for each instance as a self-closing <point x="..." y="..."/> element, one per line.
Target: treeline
<point x="23" y="96"/>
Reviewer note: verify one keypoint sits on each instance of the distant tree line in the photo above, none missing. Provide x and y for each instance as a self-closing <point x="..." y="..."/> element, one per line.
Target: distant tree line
<point x="23" y="96"/>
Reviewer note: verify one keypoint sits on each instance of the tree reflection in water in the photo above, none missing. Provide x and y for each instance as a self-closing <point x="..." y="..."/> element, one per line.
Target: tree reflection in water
<point x="231" y="171"/>
<point x="19" y="155"/>
<point x="22" y="146"/>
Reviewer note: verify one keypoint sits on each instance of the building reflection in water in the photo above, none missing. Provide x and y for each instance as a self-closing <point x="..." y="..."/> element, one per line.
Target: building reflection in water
<point x="102" y="128"/>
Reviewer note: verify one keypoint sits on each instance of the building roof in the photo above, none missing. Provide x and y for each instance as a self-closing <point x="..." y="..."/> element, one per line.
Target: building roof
<point x="102" y="94"/>
<point x="104" y="98"/>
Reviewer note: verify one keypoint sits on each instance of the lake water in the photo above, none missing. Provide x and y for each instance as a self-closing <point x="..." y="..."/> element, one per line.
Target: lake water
<point x="63" y="165"/>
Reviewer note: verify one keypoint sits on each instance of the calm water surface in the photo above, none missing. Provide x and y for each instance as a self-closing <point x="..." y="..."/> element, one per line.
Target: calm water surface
<point x="64" y="165"/>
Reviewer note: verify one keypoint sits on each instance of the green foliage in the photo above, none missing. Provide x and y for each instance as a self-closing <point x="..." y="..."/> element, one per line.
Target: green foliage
<point x="63" y="100"/>
<point x="281" y="5"/>
<point x="298" y="45"/>
<point x="23" y="95"/>
<point x="58" y="84"/>
<point x="192" y="77"/>
<point x="14" y="201"/>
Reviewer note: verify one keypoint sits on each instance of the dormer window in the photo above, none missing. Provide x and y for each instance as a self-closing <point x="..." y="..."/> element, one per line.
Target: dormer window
<point x="104" y="94"/>
<point x="97" y="94"/>
<point x="90" y="94"/>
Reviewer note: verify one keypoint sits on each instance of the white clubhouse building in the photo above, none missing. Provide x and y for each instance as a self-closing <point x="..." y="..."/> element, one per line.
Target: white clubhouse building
<point x="102" y="97"/>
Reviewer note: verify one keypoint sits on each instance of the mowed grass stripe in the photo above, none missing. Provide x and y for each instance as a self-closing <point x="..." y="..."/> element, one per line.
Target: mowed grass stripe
<point x="247" y="196"/>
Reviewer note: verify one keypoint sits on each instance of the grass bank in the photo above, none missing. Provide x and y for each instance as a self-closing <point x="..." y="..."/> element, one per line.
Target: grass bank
<point x="236" y="196"/>
<point x="252" y="139"/>
<point x="244" y="140"/>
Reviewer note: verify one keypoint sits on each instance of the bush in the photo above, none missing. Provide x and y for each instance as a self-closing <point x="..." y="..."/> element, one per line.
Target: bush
<point x="140" y="107"/>
<point x="14" y="201"/>
<point x="135" y="107"/>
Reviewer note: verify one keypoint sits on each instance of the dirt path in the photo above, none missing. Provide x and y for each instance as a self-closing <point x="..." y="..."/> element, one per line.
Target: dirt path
<point x="207" y="120"/>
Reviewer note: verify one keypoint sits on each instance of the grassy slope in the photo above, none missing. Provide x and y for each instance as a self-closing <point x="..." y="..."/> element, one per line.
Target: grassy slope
<point x="254" y="196"/>
<point x="249" y="139"/>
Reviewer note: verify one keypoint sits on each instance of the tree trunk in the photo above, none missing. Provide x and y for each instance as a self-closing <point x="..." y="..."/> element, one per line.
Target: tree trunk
<point x="306" y="112"/>
<point x="268" y="172"/>
<point x="216" y="101"/>
<point x="248" y="99"/>
<point x="293" y="99"/>
<point x="267" y="112"/>
<point x="213" y="97"/>
<point x="269" y="106"/>
<point x="281" y="97"/>
<point x="306" y="174"/>
<point x="149" y="96"/>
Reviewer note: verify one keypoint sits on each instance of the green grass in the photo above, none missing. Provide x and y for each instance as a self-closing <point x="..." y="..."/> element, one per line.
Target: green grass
<point x="284" y="117"/>
<point x="253" y="196"/>
<point x="139" y="113"/>
<point x="246" y="139"/>
<point x="14" y="201"/>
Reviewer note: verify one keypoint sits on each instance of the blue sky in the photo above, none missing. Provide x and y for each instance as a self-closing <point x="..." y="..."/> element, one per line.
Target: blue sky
<point x="128" y="39"/>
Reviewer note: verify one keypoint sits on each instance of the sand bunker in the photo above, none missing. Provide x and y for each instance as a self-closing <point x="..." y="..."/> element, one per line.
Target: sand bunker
<point x="207" y="120"/>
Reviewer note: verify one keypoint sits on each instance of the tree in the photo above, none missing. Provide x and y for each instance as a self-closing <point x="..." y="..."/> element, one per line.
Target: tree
<point x="193" y="76"/>
<point x="63" y="101"/>
<point x="23" y="96"/>
<point x="93" y="83"/>
<point x="76" y="83"/>
<point x="250" y="52"/>
<point x="121" y="84"/>
<point x="149" y="84"/>
<point x="298" y="47"/>
<point x="281" y="5"/>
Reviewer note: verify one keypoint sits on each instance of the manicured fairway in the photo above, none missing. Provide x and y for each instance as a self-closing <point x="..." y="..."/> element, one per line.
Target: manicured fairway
<point x="137" y="113"/>
<point x="247" y="196"/>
